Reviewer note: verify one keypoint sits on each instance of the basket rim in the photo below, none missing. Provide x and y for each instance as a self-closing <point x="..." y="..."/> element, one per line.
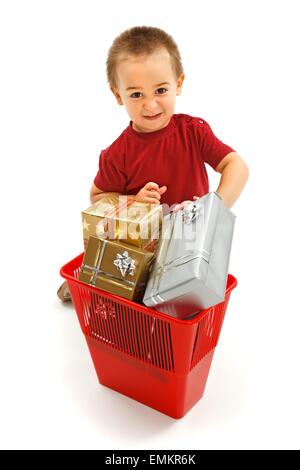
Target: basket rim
<point x="231" y="284"/>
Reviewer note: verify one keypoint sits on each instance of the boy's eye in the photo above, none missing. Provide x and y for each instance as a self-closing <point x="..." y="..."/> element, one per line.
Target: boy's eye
<point x="134" y="95"/>
<point x="161" y="91"/>
<point x="137" y="94"/>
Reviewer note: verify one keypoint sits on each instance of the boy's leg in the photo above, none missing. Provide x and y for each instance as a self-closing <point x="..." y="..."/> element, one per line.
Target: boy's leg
<point x="63" y="293"/>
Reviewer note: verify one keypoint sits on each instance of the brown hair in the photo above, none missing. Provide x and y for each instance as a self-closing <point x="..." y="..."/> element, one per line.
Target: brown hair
<point x="141" y="40"/>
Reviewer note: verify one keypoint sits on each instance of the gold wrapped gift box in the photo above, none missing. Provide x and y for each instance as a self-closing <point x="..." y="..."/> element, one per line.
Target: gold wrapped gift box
<point x="116" y="267"/>
<point x="117" y="218"/>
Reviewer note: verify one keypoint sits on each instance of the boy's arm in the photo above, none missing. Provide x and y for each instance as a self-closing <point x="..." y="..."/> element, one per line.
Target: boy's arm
<point x="234" y="175"/>
<point x="150" y="193"/>
<point x="96" y="193"/>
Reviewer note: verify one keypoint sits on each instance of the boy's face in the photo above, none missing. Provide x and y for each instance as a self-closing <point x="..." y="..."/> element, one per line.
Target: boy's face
<point x="147" y="87"/>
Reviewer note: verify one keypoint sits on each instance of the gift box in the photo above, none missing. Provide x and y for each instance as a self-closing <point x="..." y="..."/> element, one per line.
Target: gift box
<point x="191" y="266"/>
<point x="116" y="267"/>
<point x="117" y="218"/>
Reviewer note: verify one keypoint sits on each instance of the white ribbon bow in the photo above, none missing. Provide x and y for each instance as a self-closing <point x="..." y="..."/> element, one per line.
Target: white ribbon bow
<point x="190" y="213"/>
<point x="125" y="264"/>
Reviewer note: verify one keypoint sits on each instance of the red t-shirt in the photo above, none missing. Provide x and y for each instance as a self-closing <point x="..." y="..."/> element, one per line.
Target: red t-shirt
<point x="174" y="156"/>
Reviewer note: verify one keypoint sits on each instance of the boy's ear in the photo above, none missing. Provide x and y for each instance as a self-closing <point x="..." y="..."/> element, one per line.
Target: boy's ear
<point x="179" y="84"/>
<point x="117" y="95"/>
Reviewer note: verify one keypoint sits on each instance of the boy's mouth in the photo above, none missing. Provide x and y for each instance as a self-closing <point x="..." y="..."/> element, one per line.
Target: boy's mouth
<point x="151" y="118"/>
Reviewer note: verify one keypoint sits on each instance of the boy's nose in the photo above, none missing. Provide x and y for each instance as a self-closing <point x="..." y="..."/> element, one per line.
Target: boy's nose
<point x="150" y="106"/>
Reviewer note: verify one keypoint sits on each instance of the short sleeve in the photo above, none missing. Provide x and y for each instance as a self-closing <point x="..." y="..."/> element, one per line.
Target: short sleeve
<point x="111" y="176"/>
<point x="212" y="149"/>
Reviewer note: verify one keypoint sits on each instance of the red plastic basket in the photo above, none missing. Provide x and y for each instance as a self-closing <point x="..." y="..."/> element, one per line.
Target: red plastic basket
<point x="149" y="356"/>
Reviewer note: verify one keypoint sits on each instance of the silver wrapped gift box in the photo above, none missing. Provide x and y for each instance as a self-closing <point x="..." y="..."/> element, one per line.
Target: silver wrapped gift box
<point x="191" y="266"/>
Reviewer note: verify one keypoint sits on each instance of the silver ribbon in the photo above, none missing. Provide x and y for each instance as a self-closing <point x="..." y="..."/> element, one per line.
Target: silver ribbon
<point x="190" y="213"/>
<point x="175" y="263"/>
<point x="125" y="264"/>
<point x="96" y="269"/>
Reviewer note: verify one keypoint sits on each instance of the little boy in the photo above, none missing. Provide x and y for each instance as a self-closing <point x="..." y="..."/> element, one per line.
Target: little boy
<point x="160" y="157"/>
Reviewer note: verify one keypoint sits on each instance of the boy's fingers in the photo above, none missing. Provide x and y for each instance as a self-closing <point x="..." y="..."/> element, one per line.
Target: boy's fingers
<point x="150" y="200"/>
<point x="151" y="185"/>
<point x="195" y="197"/>
<point x="185" y="203"/>
<point x="152" y="194"/>
<point x="162" y="190"/>
<point x="177" y="208"/>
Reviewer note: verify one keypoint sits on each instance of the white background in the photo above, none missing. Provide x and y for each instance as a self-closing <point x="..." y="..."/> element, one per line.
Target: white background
<point x="241" y="61"/>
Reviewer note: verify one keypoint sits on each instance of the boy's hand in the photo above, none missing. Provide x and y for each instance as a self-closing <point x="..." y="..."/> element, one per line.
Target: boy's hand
<point x="183" y="204"/>
<point x="150" y="193"/>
